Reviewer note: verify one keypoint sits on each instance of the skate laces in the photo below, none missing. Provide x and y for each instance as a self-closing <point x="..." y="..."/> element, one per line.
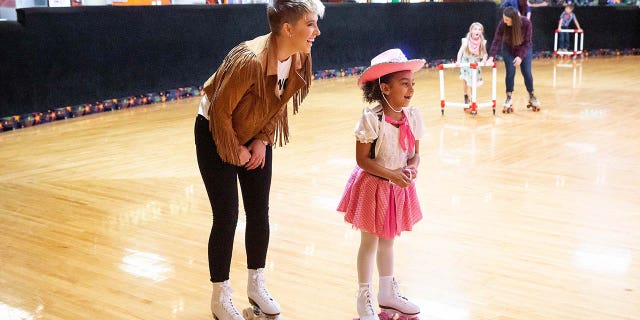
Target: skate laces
<point x="396" y="291"/>
<point x="258" y="283"/>
<point x="225" y="299"/>
<point x="368" y="300"/>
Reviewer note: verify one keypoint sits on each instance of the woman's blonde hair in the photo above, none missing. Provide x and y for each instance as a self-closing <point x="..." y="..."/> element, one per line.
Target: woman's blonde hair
<point x="280" y="12"/>
<point x="483" y="49"/>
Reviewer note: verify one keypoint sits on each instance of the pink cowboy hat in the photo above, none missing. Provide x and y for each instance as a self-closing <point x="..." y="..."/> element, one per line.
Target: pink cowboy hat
<point x="390" y="61"/>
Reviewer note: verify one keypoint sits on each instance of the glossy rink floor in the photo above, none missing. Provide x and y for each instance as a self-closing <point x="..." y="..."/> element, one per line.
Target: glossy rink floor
<point x="526" y="216"/>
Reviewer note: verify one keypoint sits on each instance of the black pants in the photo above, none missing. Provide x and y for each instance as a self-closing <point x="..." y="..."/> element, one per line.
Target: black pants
<point x="221" y="181"/>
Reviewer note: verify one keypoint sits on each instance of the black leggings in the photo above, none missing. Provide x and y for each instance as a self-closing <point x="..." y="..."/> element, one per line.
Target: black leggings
<point x="221" y="181"/>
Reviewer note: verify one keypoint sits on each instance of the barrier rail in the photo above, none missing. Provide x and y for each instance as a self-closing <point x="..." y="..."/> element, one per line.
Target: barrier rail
<point x="578" y="38"/>
<point x="473" y="105"/>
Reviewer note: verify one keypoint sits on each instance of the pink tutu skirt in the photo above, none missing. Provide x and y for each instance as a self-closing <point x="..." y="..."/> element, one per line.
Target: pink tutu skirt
<point x="379" y="207"/>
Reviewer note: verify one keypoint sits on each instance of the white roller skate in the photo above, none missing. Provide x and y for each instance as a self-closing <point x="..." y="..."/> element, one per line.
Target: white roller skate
<point x="222" y="307"/>
<point x="467" y="107"/>
<point x="393" y="304"/>
<point x="263" y="306"/>
<point x="534" y="104"/>
<point x="508" y="107"/>
<point x="365" y="304"/>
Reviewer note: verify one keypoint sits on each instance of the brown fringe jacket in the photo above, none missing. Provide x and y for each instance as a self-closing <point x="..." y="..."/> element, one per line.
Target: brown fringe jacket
<point x="243" y="100"/>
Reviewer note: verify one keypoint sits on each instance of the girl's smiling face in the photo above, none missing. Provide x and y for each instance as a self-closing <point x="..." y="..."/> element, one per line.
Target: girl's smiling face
<point x="399" y="89"/>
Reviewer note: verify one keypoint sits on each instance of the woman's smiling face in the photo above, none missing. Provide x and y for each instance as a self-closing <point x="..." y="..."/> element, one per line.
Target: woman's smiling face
<point x="305" y="31"/>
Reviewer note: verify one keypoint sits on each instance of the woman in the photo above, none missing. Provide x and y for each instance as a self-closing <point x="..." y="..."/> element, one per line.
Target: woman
<point x="243" y="112"/>
<point x="514" y="32"/>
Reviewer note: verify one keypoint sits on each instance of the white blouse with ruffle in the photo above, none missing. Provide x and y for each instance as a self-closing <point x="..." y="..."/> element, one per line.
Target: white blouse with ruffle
<point x="389" y="153"/>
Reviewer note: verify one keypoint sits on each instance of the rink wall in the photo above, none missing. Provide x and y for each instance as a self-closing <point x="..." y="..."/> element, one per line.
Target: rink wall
<point x="56" y="57"/>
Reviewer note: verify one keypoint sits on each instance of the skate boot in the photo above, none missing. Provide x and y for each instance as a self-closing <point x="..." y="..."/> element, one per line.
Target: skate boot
<point x="263" y="305"/>
<point x="222" y="307"/>
<point x="393" y="304"/>
<point x="534" y="104"/>
<point x="365" y="303"/>
<point x="466" y="101"/>
<point x="508" y="107"/>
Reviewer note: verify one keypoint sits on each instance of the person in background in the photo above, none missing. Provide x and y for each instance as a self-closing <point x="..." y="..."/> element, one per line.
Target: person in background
<point x="566" y="17"/>
<point x="472" y="50"/>
<point x="513" y="36"/>
<point x="522" y="6"/>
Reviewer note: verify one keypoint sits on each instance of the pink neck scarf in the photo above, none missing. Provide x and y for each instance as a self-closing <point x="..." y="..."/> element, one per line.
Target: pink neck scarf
<point x="474" y="46"/>
<point x="407" y="140"/>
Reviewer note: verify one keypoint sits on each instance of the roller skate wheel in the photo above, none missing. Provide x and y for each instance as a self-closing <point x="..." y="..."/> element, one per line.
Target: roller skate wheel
<point x="384" y="316"/>
<point x="248" y="314"/>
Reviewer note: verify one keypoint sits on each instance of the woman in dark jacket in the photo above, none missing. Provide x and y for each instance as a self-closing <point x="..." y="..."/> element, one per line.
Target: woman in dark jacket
<point x="513" y="35"/>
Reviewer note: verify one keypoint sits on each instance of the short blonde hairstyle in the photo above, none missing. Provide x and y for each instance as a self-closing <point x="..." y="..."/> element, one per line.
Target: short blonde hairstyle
<point x="280" y="12"/>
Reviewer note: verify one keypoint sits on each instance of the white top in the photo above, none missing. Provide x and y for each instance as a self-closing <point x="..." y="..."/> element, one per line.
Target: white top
<point x="283" y="75"/>
<point x="389" y="153"/>
<point x="203" y="108"/>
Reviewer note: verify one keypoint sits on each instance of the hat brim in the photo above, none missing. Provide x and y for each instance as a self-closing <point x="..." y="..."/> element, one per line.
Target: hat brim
<point x="376" y="71"/>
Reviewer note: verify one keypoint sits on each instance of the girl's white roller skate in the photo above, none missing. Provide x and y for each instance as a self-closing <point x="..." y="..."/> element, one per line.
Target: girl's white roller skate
<point x="508" y="107"/>
<point x="222" y="307"/>
<point x="365" y="304"/>
<point x="534" y="104"/>
<point x="263" y="307"/>
<point x="393" y="304"/>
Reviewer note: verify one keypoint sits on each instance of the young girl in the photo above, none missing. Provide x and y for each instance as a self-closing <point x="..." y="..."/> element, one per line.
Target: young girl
<point x="380" y="197"/>
<point x="473" y="49"/>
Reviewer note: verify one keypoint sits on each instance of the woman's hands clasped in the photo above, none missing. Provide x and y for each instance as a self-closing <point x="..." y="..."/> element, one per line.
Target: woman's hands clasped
<point x="257" y="155"/>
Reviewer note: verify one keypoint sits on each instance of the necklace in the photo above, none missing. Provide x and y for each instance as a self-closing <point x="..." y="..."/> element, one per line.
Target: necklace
<point x="385" y="99"/>
<point x="390" y="106"/>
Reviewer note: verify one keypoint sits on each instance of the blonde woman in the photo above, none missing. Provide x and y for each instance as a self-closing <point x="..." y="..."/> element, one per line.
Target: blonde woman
<point x="243" y="112"/>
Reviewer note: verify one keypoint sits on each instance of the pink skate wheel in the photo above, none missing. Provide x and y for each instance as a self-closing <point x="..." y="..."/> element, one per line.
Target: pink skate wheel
<point x="384" y="316"/>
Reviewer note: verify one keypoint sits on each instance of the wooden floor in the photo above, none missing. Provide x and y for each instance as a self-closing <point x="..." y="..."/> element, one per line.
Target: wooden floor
<point x="526" y="216"/>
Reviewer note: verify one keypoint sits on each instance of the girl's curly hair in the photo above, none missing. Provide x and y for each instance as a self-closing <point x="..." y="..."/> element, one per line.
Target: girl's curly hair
<point x="371" y="91"/>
